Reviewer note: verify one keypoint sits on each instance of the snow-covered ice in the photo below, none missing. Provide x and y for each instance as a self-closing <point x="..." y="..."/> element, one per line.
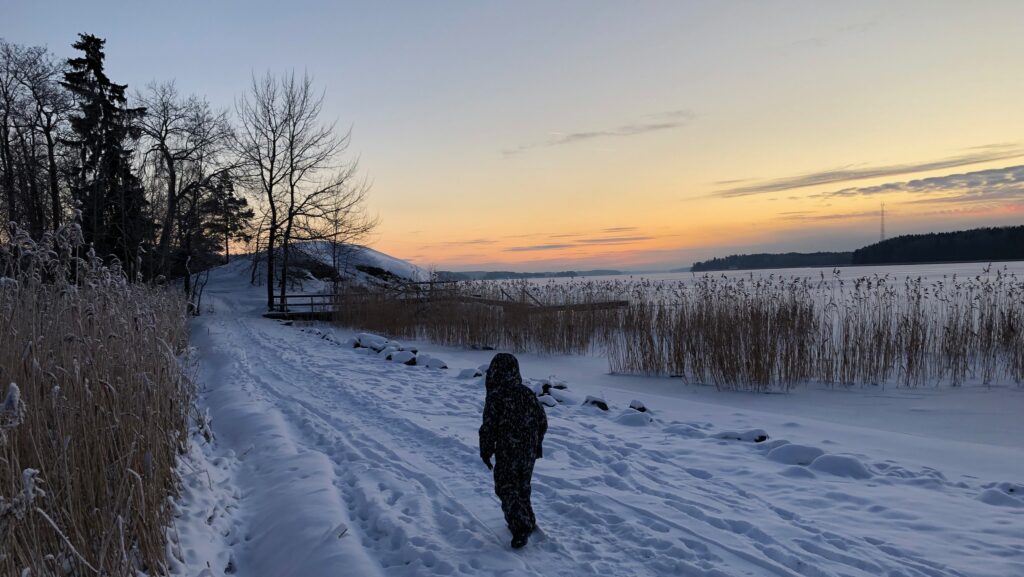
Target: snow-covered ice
<point x="328" y="461"/>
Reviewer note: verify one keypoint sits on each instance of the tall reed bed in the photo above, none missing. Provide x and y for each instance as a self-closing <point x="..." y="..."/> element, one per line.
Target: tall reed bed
<point x="95" y="413"/>
<point x="483" y="314"/>
<point x="771" y="333"/>
<point x="749" y="332"/>
<point x="756" y="333"/>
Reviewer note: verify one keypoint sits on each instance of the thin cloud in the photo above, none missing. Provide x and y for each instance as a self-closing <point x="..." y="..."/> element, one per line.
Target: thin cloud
<point x="1001" y="197"/>
<point x="537" y="247"/>
<point x="732" y="181"/>
<point x="469" y="242"/>
<point x="990" y="184"/>
<point x="806" y="217"/>
<point x="614" y="240"/>
<point x="620" y="229"/>
<point x="582" y="243"/>
<point x="667" y="120"/>
<point x="847" y="174"/>
<point x="822" y="41"/>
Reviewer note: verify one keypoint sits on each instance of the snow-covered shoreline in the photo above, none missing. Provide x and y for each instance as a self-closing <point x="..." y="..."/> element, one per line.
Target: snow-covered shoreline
<point x="328" y="461"/>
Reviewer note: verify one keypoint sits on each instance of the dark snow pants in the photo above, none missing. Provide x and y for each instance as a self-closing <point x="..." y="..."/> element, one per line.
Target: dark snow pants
<point x="512" y="477"/>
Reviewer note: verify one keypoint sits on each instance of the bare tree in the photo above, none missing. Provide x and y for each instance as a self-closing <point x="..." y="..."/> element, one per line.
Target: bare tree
<point x="187" y="138"/>
<point x="40" y="75"/>
<point x="346" y="222"/>
<point x="297" y="162"/>
<point x="259" y="143"/>
<point x="10" y="109"/>
<point x="34" y="110"/>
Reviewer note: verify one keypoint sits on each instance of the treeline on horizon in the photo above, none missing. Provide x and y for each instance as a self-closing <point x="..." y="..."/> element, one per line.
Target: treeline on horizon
<point x="979" y="244"/>
<point x="768" y="260"/>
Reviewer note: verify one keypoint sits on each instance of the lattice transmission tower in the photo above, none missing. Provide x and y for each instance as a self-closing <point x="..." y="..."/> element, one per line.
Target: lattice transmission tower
<point x="881" y="235"/>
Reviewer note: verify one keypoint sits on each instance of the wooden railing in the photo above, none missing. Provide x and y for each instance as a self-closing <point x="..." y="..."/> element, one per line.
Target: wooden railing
<point x="312" y="303"/>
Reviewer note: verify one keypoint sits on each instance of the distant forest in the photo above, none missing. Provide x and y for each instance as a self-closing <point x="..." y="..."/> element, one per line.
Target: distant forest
<point x="979" y="244"/>
<point x="765" y="260"/>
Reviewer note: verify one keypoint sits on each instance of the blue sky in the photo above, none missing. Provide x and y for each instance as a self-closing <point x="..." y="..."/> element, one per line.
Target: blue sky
<point x="536" y="135"/>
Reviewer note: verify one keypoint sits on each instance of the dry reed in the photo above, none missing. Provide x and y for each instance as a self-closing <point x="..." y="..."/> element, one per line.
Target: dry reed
<point x="98" y="415"/>
<point x="483" y="314"/>
<point x="751" y="333"/>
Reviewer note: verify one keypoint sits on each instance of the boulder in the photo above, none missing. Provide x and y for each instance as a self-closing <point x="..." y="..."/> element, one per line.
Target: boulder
<point x="404" y="357"/>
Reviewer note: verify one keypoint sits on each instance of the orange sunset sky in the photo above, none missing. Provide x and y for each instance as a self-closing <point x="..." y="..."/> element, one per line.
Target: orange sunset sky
<point x="629" y="135"/>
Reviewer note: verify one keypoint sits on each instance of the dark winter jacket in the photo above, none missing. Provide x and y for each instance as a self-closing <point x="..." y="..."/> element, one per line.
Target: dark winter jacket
<point x="514" y="421"/>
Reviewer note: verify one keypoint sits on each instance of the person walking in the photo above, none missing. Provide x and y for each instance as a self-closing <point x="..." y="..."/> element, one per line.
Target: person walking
<point x="513" y="429"/>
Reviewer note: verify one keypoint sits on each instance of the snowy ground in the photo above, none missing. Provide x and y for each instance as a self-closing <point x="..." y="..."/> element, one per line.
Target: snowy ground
<point x="329" y="461"/>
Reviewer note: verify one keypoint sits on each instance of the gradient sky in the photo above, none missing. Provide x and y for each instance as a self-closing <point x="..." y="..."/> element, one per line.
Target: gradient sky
<point x="631" y="135"/>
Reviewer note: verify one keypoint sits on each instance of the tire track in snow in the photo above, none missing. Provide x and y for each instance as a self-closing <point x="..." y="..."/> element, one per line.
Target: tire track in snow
<point x="609" y="549"/>
<point x="649" y="542"/>
<point x="384" y="526"/>
<point x="401" y="444"/>
<point x="767" y="554"/>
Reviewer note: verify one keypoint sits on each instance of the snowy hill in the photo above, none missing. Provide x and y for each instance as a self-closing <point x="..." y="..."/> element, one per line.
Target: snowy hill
<point x="360" y="263"/>
<point x="320" y="261"/>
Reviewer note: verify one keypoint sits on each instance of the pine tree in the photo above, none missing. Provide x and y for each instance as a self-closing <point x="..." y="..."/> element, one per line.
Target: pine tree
<point x="228" y="215"/>
<point x="109" y="194"/>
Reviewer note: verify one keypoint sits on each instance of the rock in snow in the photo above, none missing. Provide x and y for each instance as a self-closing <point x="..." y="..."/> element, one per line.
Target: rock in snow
<point x="999" y="499"/>
<point x="637" y="406"/>
<point x="841" y="466"/>
<point x="371" y="341"/>
<point x="547" y="386"/>
<point x="563" y="396"/>
<point x="795" y="454"/>
<point x="634" y="418"/>
<point x="751" y="436"/>
<point x="404" y="357"/>
<point x="425" y="360"/>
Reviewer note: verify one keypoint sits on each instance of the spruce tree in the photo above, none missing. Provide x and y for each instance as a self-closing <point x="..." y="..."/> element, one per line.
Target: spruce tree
<point x="109" y="194"/>
<point x="228" y="215"/>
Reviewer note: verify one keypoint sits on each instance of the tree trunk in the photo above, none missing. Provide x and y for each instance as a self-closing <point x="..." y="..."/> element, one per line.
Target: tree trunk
<point x="284" y="264"/>
<point x="270" y="260"/>
<point x="256" y="256"/>
<point x="54" y="184"/>
<point x="32" y="207"/>
<point x="5" y="158"/>
<point x="164" y="247"/>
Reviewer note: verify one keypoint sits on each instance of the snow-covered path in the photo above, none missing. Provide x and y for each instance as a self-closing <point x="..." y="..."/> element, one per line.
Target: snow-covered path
<point x="331" y="462"/>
